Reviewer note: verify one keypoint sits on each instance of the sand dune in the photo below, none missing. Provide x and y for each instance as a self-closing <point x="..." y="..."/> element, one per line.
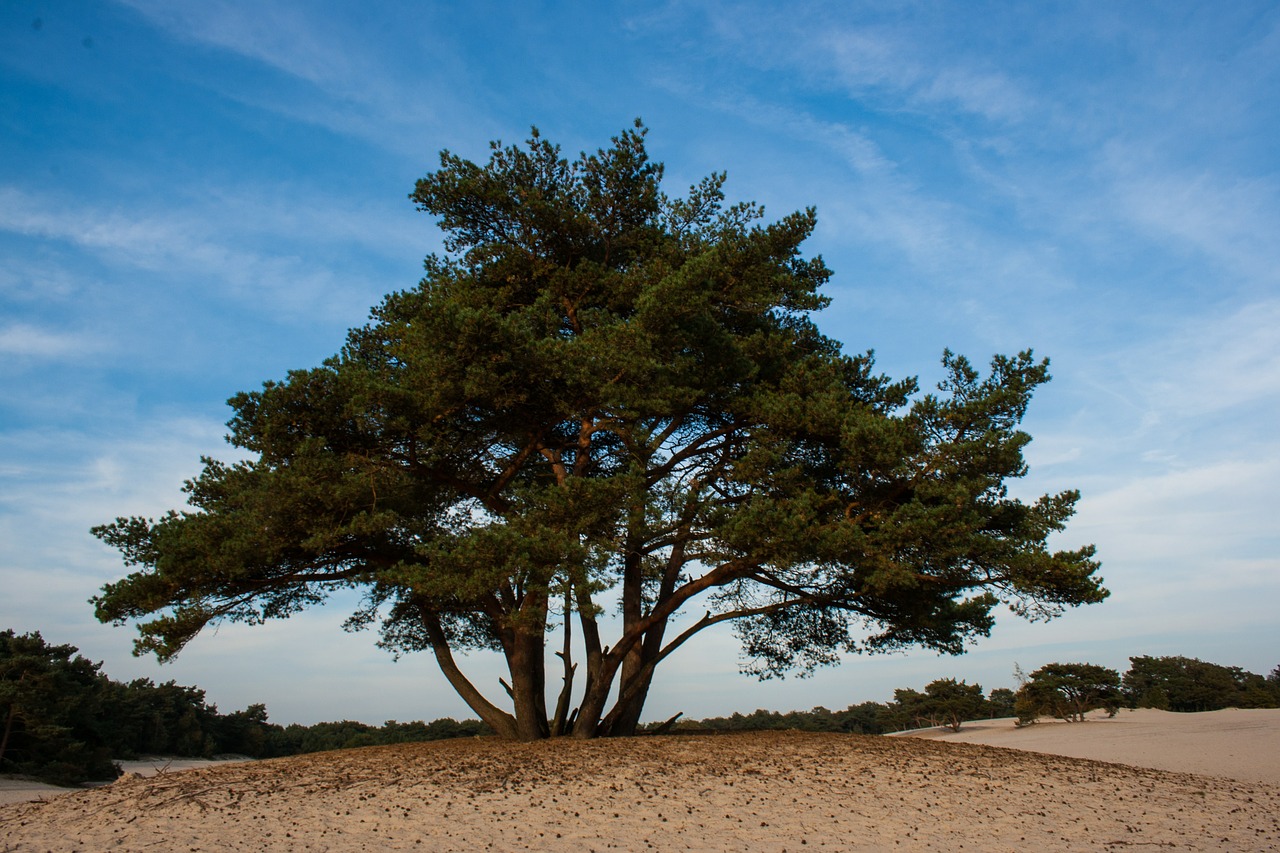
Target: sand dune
<point x="20" y="790"/>
<point x="761" y="791"/>
<point x="1235" y="743"/>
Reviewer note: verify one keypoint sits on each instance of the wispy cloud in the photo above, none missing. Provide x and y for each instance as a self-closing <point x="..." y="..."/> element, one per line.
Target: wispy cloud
<point x="1167" y="394"/>
<point x="240" y="245"/>
<point x="1216" y="365"/>
<point x="1231" y="219"/>
<point x="281" y="36"/>
<point x="882" y="63"/>
<point x="26" y="341"/>
<point x="342" y="58"/>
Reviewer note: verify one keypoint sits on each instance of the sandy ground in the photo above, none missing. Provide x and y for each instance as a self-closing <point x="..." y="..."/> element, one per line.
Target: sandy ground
<point x="1237" y="744"/>
<point x="26" y="790"/>
<point x="760" y="792"/>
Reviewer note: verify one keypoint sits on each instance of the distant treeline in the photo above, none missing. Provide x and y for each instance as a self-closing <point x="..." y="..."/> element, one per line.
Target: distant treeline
<point x="64" y="721"/>
<point x="867" y="718"/>
<point x="1057" y="690"/>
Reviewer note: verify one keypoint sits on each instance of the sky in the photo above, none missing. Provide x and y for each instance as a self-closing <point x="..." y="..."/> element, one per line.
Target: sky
<point x="197" y="196"/>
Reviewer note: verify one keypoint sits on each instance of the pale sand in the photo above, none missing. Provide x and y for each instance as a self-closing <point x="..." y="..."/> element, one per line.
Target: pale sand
<point x="1235" y="743"/>
<point x="26" y="790"/>
<point x="759" y="791"/>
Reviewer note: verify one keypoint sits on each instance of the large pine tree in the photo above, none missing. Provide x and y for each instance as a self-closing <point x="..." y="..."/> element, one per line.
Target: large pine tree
<point x="602" y="398"/>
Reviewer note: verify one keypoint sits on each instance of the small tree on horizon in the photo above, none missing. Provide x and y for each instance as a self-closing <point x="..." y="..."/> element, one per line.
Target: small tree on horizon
<point x="1067" y="691"/>
<point x="944" y="702"/>
<point x="606" y="399"/>
<point x="1000" y="702"/>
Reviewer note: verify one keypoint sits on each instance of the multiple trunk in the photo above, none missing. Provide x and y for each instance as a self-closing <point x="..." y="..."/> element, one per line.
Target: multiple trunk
<point x="521" y="617"/>
<point x="526" y="691"/>
<point x="629" y="665"/>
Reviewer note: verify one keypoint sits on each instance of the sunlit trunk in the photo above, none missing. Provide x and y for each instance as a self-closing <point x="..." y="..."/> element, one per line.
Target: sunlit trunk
<point x="502" y="723"/>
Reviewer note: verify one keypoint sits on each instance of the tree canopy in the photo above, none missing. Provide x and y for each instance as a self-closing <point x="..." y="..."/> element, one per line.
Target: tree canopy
<point x="944" y="702"/>
<point x="50" y="706"/>
<point x="1068" y="691"/>
<point x="604" y="406"/>
<point x="1189" y="684"/>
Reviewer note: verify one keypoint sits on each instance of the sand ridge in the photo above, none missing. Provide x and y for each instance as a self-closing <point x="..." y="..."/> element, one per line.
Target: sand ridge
<point x="1242" y="744"/>
<point x="770" y="791"/>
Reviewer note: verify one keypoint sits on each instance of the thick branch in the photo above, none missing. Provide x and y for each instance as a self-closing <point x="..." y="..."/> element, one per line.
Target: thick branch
<point x="514" y="466"/>
<point x="502" y="723"/>
<point x="662" y="611"/>
<point x="566" y="692"/>
<point x="705" y="622"/>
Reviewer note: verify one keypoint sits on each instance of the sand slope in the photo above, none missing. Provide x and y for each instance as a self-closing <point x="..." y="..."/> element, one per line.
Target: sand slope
<point x="21" y="790"/>
<point x="762" y="791"/>
<point x="1235" y="743"/>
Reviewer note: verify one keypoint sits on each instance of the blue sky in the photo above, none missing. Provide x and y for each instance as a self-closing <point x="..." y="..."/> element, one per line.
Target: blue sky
<point x="196" y="197"/>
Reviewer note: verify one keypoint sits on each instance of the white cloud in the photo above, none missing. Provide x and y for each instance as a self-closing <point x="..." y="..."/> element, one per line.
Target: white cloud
<point x="1232" y="219"/>
<point x="285" y="38"/>
<point x="1216" y="365"/>
<point x="1183" y="522"/>
<point x="869" y="59"/>
<point x="1198" y="390"/>
<point x="212" y="246"/>
<point x="344" y="59"/>
<point x="27" y="341"/>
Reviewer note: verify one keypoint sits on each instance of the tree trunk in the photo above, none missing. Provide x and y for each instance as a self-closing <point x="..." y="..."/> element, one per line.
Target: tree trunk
<point x="637" y="677"/>
<point x="528" y="684"/>
<point x="632" y="612"/>
<point x="560" y="722"/>
<point x="8" y="729"/>
<point x="599" y="682"/>
<point x="624" y="718"/>
<point x="502" y="723"/>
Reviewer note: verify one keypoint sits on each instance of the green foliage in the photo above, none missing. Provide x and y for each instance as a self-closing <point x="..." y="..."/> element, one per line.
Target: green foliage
<point x="1000" y="703"/>
<point x="50" y="712"/>
<point x="165" y="719"/>
<point x="321" y="737"/>
<point x="603" y="394"/>
<point x="951" y="702"/>
<point x="944" y="702"/>
<point x="1067" y="691"/>
<point x="866" y="718"/>
<point x="63" y="721"/>
<point x="1188" y="684"/>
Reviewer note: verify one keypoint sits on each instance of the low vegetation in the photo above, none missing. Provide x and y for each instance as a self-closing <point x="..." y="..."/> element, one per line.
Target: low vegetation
<point x="62" y="720"/>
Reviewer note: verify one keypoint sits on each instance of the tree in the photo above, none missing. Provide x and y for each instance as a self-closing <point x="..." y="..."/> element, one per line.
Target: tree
<point x="1000" y="702"/>
<point x="1189" y="684"/>
<point x="602" y="394"/>
<point x="164" y="719"/>
<point x="865" y="718"/>
<point x="944" y="702"/>
<point x="50" y="704"/>
<point x="1067" y="691"/>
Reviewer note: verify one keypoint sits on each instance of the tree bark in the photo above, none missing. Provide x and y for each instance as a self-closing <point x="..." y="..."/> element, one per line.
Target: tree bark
<point x="599" y="683"/>
<point x="528" y="683"/>
<point x="8" y="729"/>
<point x="502" y="723"/>
<point x="624" y="719"/>
<point x="560" y="723"/>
